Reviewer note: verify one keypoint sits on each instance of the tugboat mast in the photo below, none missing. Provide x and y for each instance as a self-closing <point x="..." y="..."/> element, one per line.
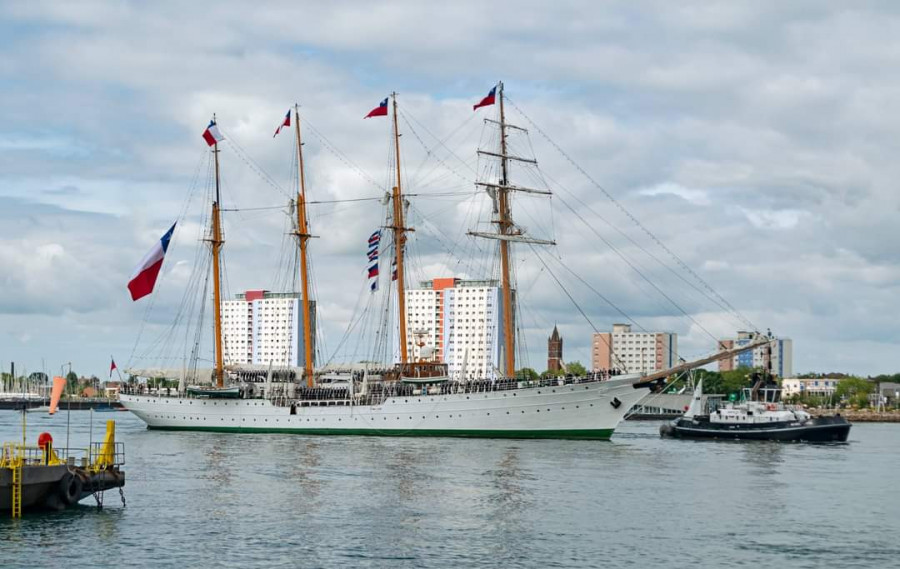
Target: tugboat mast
<point x="399" y="230"/>
<point x="303" y="236"/>
<point x="216" y="243"/>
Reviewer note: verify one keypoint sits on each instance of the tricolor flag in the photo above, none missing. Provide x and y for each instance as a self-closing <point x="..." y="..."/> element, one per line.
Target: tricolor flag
<point x="212" y="135"/>
<point x="112" y="366"/>
<point x="379" y="111"/>
<point x="489" y="100"/>
<point x="144" y="277"/>
<point x="394" y="269"/>
<point x="284" y="123"/>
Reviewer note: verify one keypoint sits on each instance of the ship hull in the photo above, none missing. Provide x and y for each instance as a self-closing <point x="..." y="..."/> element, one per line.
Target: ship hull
<point x="820" y="430"/>
<point x="573" y="411"/>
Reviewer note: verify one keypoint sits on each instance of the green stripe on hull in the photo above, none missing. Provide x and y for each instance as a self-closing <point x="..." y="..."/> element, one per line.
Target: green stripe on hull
<point x="579" y="434"/>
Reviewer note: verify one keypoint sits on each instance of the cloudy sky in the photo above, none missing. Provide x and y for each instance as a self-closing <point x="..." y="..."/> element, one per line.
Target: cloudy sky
<point x="756" y="141"/>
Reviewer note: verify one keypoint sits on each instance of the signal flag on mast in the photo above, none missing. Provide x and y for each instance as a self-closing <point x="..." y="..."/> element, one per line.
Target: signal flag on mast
<point x="212" y="135"/>
<point x="284" y="123"/>
<point x="144" y="277"/>
<point x="374" y="245"/>
<point x="112" y="366"/>
<point x="489" y="100"/>
<point x="379" y="111"/>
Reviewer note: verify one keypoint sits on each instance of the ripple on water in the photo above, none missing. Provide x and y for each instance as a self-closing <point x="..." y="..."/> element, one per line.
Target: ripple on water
<point x="207" y="499"/>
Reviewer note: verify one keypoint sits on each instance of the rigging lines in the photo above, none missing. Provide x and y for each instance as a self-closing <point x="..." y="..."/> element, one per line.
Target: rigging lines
<point x="630" y="216"/>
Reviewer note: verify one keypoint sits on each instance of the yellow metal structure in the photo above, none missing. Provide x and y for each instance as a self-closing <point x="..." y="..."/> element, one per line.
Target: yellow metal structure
<point x="17" y="490"/>
<point x="107" y="455"/>
<point x="13" y="458"/>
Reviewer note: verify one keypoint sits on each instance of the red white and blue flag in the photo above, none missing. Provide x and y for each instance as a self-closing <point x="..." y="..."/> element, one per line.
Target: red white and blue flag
<point x="144" y="278"/>
<point x="374" y="243"/>
<point x="284" y="123"/>
<point x="112" y="366"/>
<point x="489" y="100"/>
<point x="211" y="135"/>
<point x="379" y="111"/>
<point x="394" y="268"/>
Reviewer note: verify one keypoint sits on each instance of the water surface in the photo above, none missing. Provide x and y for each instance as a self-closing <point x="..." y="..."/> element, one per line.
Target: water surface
<point x="245" y="501"/>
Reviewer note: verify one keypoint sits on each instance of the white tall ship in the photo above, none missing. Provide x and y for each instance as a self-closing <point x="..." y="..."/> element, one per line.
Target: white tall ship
<point x="412" y="397"/>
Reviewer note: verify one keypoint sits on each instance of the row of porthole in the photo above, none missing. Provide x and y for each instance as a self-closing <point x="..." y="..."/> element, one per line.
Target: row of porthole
<point x="356" y="418"/>
<point x="181" y="401"/>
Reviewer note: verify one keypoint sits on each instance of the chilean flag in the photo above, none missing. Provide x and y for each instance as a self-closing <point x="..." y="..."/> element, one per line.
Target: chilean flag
<point x="212" y="135"/>
<point x="284" y="123"/>
<point x="489" y="100"/>
<point x="112" y="366"/>
<point x="144" y="277"/>
<point x="379" y="111"/>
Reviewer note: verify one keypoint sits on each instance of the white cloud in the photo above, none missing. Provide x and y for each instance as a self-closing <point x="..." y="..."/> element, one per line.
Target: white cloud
<point x="692" y="195"/>
<point x="743" y="135"/>
<point x="780" y="219"/>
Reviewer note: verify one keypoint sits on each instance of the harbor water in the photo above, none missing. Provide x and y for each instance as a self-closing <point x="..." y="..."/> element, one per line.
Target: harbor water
<point x="263" y="500"/>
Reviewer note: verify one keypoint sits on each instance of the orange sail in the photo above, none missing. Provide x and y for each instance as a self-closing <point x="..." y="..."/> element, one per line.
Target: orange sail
<point x="59" y="383"/>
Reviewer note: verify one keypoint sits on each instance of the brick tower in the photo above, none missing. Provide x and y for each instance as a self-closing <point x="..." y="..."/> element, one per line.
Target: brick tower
<point x="554" y="351"/>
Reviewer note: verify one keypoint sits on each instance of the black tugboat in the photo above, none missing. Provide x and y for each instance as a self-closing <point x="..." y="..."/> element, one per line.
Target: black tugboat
<point x="760" y="416"/>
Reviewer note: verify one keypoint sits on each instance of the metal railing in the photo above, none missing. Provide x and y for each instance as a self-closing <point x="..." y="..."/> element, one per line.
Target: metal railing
<point x="97" y="455"/>
<point x="13" y="454"/>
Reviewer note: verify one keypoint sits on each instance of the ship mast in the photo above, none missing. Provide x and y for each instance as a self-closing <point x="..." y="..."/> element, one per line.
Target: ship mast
<point x="399" y="239"/>
<point x="507" y="232"/>
<point x="216" y="243"/>
<point x="303" y="236"/>
<point x="503" y="226"/>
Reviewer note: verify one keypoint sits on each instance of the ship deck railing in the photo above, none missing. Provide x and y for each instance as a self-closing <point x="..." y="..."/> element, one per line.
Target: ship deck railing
<point x="377" y="393"/>
<point x="325" y="397"/>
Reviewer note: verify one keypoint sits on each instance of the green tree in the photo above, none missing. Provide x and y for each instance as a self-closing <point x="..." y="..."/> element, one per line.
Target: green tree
<point x="527" y="374"/>
<point x="726" y="382"/>
<point x="576" y="368"/>
<point x="855" y="390"/>
<point x="39" y="378"/>
<point x="71" y="383"/>
<point x="712" y="380"/>
<point x="735" y="380"/>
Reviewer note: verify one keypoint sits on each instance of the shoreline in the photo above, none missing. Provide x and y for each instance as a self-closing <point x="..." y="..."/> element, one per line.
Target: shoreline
<point x="859" y="416"/>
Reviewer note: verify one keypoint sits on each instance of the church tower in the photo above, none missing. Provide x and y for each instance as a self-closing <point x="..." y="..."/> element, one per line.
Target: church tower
<point x="554" y="351"/>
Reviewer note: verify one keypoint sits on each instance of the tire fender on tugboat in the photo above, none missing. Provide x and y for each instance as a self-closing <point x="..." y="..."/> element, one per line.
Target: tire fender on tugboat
<point x="70" y="487"/>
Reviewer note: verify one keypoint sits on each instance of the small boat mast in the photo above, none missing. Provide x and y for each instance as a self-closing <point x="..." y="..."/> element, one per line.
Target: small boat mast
<point x="303" y="236"/>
